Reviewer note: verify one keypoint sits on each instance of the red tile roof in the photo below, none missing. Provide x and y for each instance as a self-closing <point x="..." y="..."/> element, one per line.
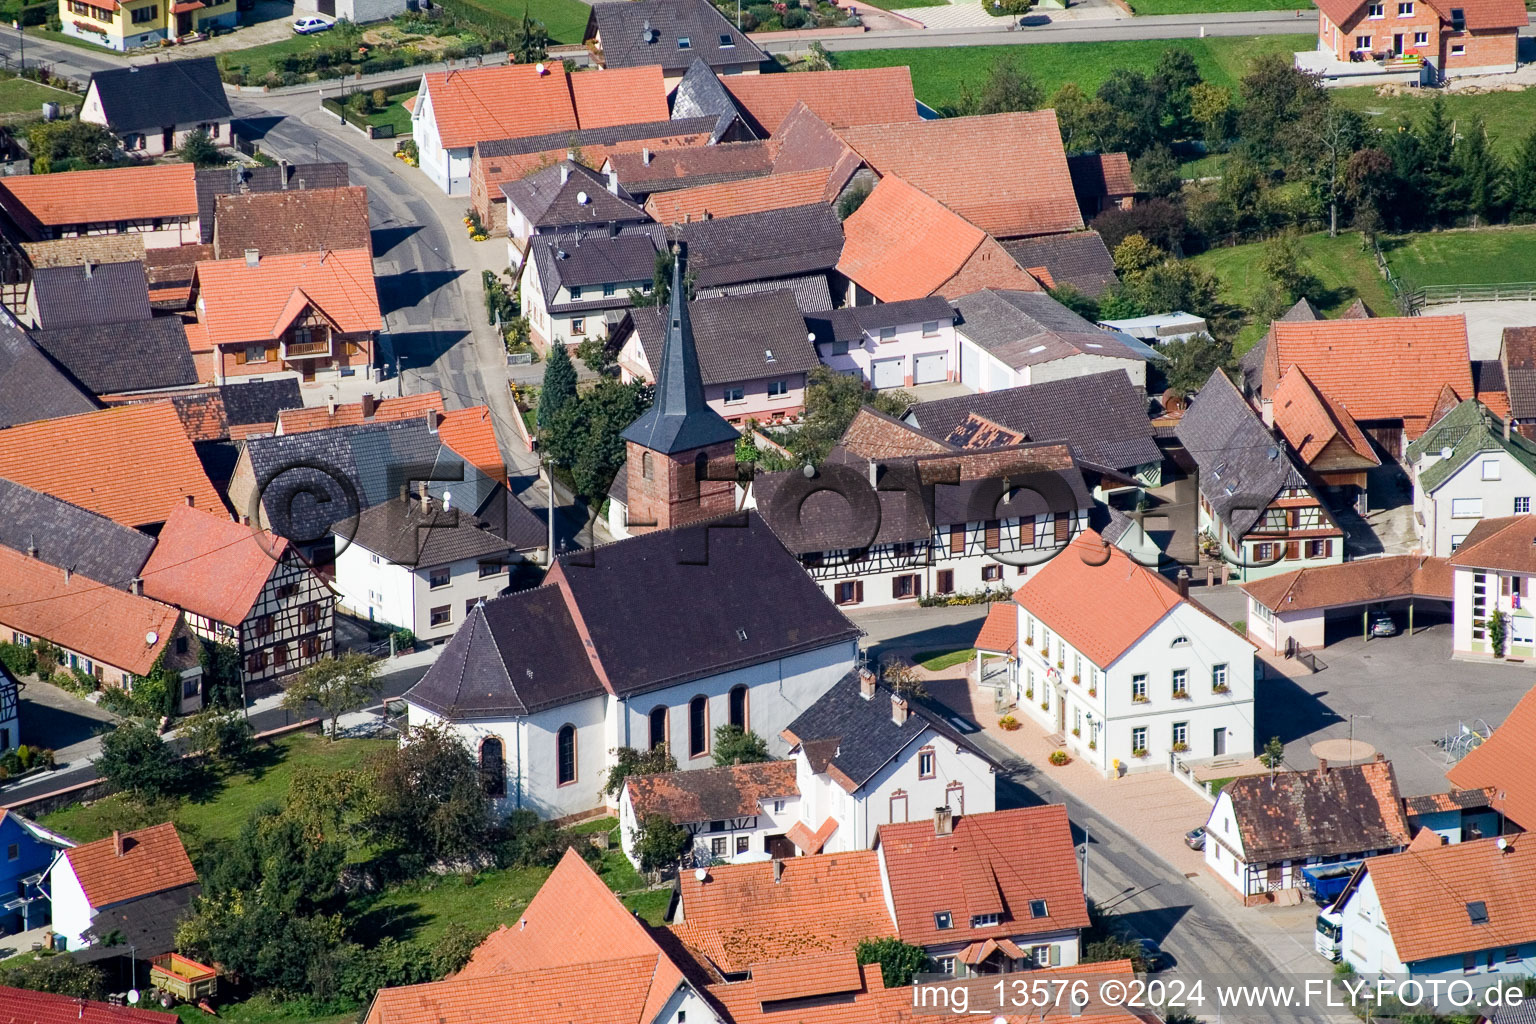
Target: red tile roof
<point x="516" y="101"/>
<point x="1005" y="173"/>
<point x="471" y="434"/>
<point x="385" y="410"/>
<point x="739" y="916"/>
<point x="152" y="860"/>
<point x="903" y="244"/>
<point x="605" y="97"/>
<point x="1508" y="543"/>
<point x="1310" y="422"/>
<point x="1425" y="895"/>
<point x="1503" y="762"/>
<point x="1372" y="579"/>
<point x="808" y="841"/>
<point x="1381" y="368"/>
<point x="240" y="303"/>
<point x="993" y="863"/>
<point x="1096" y="598"/>
<point x="131" y="463"/>
<point x="211" y="566"/>
<point x="1100" y="175"/>
<point x="819" y="974"/>
<point x="840" y="98"/>
<point x="24" y="1006"/>
<point x="92" y="617"/>
<point x="1479" y="14"/>
<point x="732" y="791"/>
<point x="733" y="198"/>
<point x="1000" y="633"/>
<point x="501" y="169"/>
<point x="118" y="193"/>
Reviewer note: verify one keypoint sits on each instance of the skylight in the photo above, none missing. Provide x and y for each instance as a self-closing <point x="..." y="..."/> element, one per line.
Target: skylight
<point x="683" y="42"/>
<point x="1477" y="912"/>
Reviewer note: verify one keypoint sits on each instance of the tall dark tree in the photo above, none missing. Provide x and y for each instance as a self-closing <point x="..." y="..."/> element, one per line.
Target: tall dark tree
<point x="1277" y="115"/>
<point x="1173" y="80"/>
<point x="1132" y="118"/>
<point x="1007" y="88"/>
<point x="559" y="385"/>
<point x="1522" y="182"/>
<point x="426" y="800"/>
<point x="1481" y="173"/>
<point x="530" y="42"/>
<point x="1156" y="172"/>
<point x="135" y="760"/>
<point x="584" y="436"/>
<point x="1442" y="178"/>
<point x="1368" y="182"/>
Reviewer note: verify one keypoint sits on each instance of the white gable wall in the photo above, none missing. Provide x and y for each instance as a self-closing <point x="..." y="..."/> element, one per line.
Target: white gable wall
<point x="72" y="912"/>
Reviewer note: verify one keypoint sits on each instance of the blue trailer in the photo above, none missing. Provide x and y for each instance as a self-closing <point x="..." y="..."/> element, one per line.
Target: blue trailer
<point x="1327" y="881"/>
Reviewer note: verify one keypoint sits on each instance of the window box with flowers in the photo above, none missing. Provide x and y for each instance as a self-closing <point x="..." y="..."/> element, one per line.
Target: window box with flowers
<point x="1140" y="752"/>
<point x="1061" y="662"/>
<point x="1138" y="698"/>
<point x="1093" y="744"/>
<point x="1045" y="705"/>
<point x="1221" y="688"/>
<point x="1181" y="748"/>
<point x="1077" y="680"/>
<point x="1029" y="641"/>
<point x="1077" y="732"/>
<point x="1181" y="695"/>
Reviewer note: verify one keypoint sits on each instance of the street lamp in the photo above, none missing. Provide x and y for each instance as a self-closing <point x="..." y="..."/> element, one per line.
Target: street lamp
<point x="21" y="37"/>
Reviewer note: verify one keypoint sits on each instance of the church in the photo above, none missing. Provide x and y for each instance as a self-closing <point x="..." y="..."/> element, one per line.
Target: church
<point x="701" y="618"/>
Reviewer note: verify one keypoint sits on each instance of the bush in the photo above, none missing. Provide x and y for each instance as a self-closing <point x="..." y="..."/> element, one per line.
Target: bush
<point x="1059" y="758"/>
<point x="18" y="659"/>
<point x="380" y="99"/>
<point x="794" y="17"/>
<point x="360" y="103"/>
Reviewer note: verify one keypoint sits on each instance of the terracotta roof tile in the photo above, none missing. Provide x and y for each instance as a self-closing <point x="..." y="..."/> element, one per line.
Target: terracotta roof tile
<point x="471" y="435"/>
<point x="642" y="172"/>
<point x="1503" y="762"/>
<point x="1425" y="897"/>
<point x="903" y="244"/>
<point x="822" y="904"/>
<point x="92" y="618"/>
<point x="1331" y="812"/>
<point x="1101" y="175"/>
<point x="1508" y="543"/>
<point x="611" y="96"/>
<point x="819" y="974"/>
<point x="840" y="98"/>
<point x="385" y="410"/>
<point x="211" y="565"/>
<point x="1378" y="369"/>
<point x="1310" y="422"/>
<point x="1000" y="633"/>
<point x="1372" y="579"/>
<point x="292" y="221"/>
<point x="733" y="198"/>
<point x="23" y="1006"/>
<point x="241" y="303"/>
<point x="612" y="991"/>
<point x="733" y="791"/>
<point x="131" y="463"/>
<point x="997" y="863"/>
<point x="1455" y="800"/>
<point x="152" y="860"/>
<point x="1005" y="173"/>
<point x="508" y="102"/>
<point x="71" y="252"/>
<point x="809" y="841"/>
<point x="118" y="193"/>
<point x="877" y="435"/>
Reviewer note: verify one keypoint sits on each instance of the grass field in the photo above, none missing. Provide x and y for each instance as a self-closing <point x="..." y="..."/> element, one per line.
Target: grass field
<point x="256" y="61"/>
<point x="1345" y="271"/>
<point x="939" y="74"/>
<point x="1509" y="116"/>
<point x="395" y="113"/>
<point x="1208" y="6"/>
<point x="1484" y="256"/>
<point x="20" y="96"/>
<point x="938" y="661"/>
<point x="566" y="20"/>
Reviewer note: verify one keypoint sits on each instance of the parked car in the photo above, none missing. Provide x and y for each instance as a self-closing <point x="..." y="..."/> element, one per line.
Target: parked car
<point x="1151" y="954"/>
<point x="1382" y="624"/>
<point x="1195" y="838"/>
<point x="310" y="24"/>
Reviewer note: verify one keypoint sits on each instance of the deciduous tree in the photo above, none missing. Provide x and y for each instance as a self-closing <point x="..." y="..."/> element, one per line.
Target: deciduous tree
<point x="135" y="760"/>
<point x="659" y="842"/>
<point x="425" y="801"/>
<point x="735" y="745"/>
<point x="337" y="685"/>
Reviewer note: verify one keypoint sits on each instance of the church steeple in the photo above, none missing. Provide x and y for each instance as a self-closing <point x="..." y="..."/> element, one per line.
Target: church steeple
<point x="679" y="420"/>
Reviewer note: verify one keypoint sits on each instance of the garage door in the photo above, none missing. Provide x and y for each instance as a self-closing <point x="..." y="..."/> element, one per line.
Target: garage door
<point x="970" y="367"/>
<point x="889" y="373"/>
<point x="931" y="369"/>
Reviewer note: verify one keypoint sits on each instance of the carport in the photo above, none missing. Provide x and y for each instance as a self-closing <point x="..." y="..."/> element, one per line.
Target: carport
<point x="1312" y="608"/>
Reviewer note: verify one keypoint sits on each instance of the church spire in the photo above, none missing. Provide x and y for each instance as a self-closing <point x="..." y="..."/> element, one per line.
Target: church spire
<point x="679" y="420"/>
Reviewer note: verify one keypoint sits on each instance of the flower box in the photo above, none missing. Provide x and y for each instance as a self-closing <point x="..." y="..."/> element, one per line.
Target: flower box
<point x="1138" y="698"/>
<point x="1029" y="641"/>
<point x="1181" y="748"/>
<point x="1221" y="688"/>
<point x="1077" y="732"/>
<point x="1181" y="695"/>
<point x="1061" y="664"/>
<point x="1093" y="744"/>
<point x="1077" y="680"/>
<point x="1139" y="753"/>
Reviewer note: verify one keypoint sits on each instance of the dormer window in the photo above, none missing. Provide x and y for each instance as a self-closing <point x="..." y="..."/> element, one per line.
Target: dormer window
<point x="684" y="43"/>
<point x="984" y="921"/>
<point x="943" y="920"/>
<point x="1458" y="19"/>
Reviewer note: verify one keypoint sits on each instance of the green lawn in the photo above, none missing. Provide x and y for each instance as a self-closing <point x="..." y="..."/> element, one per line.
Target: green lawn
<point x="265" y="1010"/>
<point x="938" y="661"/>
<point x="395" y="113"/>
<point x="939" y="73"/>
<point x="1209" y="6"/>
<point x="566" y="20"/>
<point x="1481" y="256"/>
<point x="1217" y="785"/>
<point x="1509" y="116"/>
<point x="1345" y="271"/>
<point x="256" y="61"/>
<point x="222" y="812"/>
<point x="20" y="96"/>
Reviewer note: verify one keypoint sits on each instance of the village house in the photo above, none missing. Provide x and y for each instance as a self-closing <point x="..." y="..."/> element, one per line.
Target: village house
<point x="38" y="388"/>
<point x="121" y="362"/>
<point x="1514" y="374"/>
<point x="890" y="344"/>
<point x="29" y="848"/>
<point x="646" y="169"/>
<point x="986" y="893"/>
<point x="545" y="712"/>
<point x="950" y="519"/>
<point x="1325" y="439"/>
<point x="1438" y="910"/>
<point x="212" y="182"/>
<point x="840" y="98"/>
<point x="671" y="34"/>
<point x="67" y="536"/>
<point x="1415" y="41"/>
<point x="300" y="315"/>
<point x="27" y="1005"/>
<point x="1459" y="816"/>
<point x="1012" y="338"/>
<point x="735" y="814"/>
<point x="753" y="352"/>
<point x="1468" y="465"/>
<point x="1077" y="259"/>
<point x="779" y="191"/>
<point x="244" y="588"/>
<point x="96" y="877"/>
<point x="565" y="197"/>
<point x="1266" y="831"/>
<point x="794" y="249"/>
<point x="136" y="23"/>
<point x="1315" y="606"/>
<point x="153" y="108"/>
<point x="1101" y="181"/>
<point x="455" y="110"/>
<point x="1256" y="503"/>
<point x="422" y="564"/>
<point x="88" y="295"/>
<point x="866" y="757"/>
<point x="287" y="222"/>
<point x="573" y="951"/>
<point x="156" y="201"/>
<point x="1501" y="764"/>
<point x="1493" y="569"/>
<point x="577" y="286"/>
<point x="1125" y="672"/>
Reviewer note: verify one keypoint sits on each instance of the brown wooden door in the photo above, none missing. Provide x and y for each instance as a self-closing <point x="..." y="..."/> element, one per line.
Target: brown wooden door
<point x="308" y="367"/>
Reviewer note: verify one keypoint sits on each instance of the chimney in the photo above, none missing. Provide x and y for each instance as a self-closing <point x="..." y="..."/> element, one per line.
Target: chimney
<point x="89" y="270"/>
<point x="1184" y="583"/>
<point x="1380" y="757"/>
<point x="252" y="258"/>
<point x="1506" y="428"/>
<point x="117" y="842"/>
<point x="874" y="473"/>
<point x="432" y="421"/>
<point x="866" y="683"/>
<point x="646" y="156"/>
<point x="943" y="821"/>
<point x="613" y="181"/>
<point x="565" y="170"/>
<point x="426" y="499"/>
<point x="613" y="229"/>
<point x="31" y="547"/>
<point x="899" y="710"/>
<point x="136" y="586"/>
<point x="330" y="405"/>
<point x="282" y="173"/>
<point x="1322" y="766"/>
<point x="69" y="574"/>
<point x="191" y="501"/>
<point x="778" y="870"/>
<point x="368" y="405"/>
<point x="245" y="520"/>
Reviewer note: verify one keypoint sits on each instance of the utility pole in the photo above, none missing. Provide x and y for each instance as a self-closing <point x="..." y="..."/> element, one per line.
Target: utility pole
<point x="21" y="37"/>
<point x="549" y="481"/>
<point x="1352" y="718"/>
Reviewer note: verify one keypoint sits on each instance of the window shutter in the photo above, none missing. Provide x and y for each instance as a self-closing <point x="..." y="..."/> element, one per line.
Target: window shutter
<point x="239" y="357"/>
<point x="1328" y="548"/>
<point x="917" y="585"/>
<point x="272" y="353"/>
<point x="994" y="535"/>
<point x="895" y="586"/>
<point x="1063" y="526"/>
<point x="957" y="539"/>
<point x="858" y="592"/>
<point x="1292" y="549"/>
<point x="1055" y="955"/>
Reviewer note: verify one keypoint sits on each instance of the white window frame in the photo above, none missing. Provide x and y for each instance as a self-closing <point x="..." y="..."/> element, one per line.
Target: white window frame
<point x="735" y="396"/>
<point x="1522" y="506"/>
<point x="778" y="389"/>
<point x="1421" y="39"/>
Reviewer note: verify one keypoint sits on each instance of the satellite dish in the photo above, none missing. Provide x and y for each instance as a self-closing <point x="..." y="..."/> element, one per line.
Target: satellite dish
<point x="1503" y="844"/>
<point x="151" y="638"/>
<point x="811" y="337"/>
<point x="702" y="875"/>
<point x="133" y="995"/>
<point x="582" y="198"/>
<point x="1446" y="452"/>
<point x="539" y="69"/>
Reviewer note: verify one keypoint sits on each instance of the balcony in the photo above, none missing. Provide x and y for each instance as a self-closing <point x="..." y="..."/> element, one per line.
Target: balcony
<point x="307" y="349"/>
